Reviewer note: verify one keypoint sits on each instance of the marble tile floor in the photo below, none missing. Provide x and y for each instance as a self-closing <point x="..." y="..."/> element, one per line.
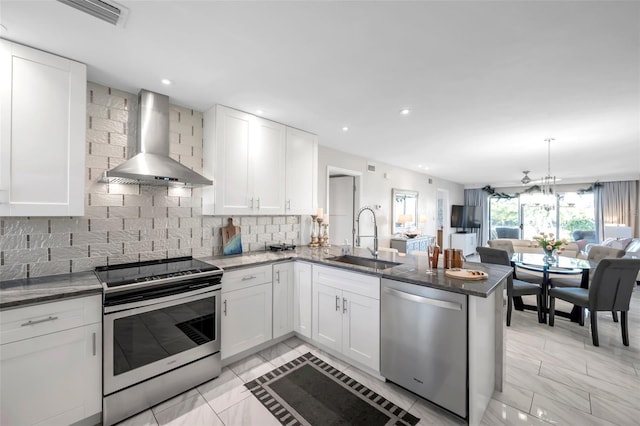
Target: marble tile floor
<point x="554" y="375"/>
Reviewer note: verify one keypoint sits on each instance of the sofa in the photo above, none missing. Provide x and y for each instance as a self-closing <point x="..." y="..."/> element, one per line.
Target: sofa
<point x="531" y="246"/>
<point x="631" y="247"/>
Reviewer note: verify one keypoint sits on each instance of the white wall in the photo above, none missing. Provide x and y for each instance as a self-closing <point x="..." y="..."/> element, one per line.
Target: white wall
<point x="376" y="188"/>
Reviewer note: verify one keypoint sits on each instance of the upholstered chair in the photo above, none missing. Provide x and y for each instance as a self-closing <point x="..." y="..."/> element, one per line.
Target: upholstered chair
<point x="502" y="245"/>
<point x="518" y="273"/>
<point x="609" y="290"/>
<point x="596" y="254"/>
<point x="515" y="287"/>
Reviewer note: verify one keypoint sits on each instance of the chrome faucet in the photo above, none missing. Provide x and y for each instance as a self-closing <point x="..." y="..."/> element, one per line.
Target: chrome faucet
<point x="374" y="252"/>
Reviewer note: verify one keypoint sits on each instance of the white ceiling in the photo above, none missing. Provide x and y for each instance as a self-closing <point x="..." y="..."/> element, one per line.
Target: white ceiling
<point x="486" y="82"/>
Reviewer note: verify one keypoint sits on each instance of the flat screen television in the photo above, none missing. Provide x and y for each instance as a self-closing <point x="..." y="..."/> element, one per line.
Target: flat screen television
<point x="467" y="217"/>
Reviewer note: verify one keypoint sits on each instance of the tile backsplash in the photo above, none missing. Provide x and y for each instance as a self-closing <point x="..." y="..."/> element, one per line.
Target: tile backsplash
<point x="126" y="223"/>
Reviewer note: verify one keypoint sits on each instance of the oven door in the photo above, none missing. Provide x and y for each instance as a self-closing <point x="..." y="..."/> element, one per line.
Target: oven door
<point x="141" y="342"/>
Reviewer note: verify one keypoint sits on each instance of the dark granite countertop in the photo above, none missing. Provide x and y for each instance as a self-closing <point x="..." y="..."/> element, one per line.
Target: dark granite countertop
<point x="22" y="292"/>
<point x="412" y="269"/>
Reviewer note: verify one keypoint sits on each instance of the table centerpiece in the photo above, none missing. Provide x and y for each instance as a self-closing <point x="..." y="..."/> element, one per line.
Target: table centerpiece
<point x="550" y="245"/>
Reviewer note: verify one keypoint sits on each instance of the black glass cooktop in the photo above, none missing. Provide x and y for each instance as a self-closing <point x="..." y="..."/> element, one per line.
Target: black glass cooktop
<point x="152" y="270"/>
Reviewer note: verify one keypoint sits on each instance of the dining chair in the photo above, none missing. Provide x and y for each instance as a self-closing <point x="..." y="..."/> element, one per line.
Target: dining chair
<point x="610" y="290"/>
<point x="596" y="254"/>
<point x="502" y="245"/>
<point x="518" y="273"/>
<point x="515" y="287"/>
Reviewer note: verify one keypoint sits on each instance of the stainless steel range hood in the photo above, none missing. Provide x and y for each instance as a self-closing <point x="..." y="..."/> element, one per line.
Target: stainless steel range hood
<point x="151" y="165"/>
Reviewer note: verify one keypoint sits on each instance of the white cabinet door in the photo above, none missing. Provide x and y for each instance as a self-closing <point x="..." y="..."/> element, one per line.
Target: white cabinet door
<point x="248" y="163"/>
<point x="327" y="316"/>
<point x="302" y="299"/>
<point x="346" y="313"/>
<point x="283" y="284"/>
<point x="301" y="177"/>
<point x="233" y="185"/>
<point x="52" y="379"/>
<point x="267" y="159"/>
<point x="361" y="329"/>
<point x="42" y="136"/>
<point x="246" y="318"/>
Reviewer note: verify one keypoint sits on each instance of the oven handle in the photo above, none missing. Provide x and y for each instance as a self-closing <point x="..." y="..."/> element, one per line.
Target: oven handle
<point x="180" y="298"/>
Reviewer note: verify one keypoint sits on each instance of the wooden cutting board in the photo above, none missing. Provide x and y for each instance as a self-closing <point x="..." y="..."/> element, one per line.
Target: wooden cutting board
<point x="466" y="274"/>
<point x="231" y="238"/>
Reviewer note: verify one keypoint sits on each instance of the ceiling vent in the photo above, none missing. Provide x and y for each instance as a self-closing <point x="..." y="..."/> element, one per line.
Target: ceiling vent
<point x="371" y="167"/>
<point x="110" y="12"/>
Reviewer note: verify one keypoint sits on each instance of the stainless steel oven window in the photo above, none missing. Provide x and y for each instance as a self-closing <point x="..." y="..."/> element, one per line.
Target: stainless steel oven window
<point x="146" y="341"/>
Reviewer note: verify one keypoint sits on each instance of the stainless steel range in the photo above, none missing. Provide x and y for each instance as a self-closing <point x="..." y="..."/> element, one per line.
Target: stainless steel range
<point x="161" y="332"/>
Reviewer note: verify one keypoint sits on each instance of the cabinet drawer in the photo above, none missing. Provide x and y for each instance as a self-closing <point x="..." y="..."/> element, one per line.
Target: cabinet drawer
<point x="365" y="285"/>
<point x="246" y="277"/>
<point x="38" y="320"/>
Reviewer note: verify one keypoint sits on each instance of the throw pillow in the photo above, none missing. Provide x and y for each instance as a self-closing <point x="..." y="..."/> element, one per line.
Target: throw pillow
<point x="622" y="243"/>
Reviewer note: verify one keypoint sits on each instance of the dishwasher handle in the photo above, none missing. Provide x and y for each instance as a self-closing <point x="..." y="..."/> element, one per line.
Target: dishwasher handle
<point x="424" y="300"/>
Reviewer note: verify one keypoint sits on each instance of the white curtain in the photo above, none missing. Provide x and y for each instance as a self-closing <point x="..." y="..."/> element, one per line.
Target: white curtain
<point x="616" y="202"/>
<point x="478" y="197"/>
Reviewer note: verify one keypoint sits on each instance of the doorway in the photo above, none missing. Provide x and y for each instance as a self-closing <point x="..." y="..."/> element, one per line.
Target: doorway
<point x="343" y="199"/>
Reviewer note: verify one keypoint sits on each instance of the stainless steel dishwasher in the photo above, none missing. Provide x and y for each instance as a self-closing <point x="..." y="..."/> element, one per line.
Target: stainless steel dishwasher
<point x="424" y="342"/>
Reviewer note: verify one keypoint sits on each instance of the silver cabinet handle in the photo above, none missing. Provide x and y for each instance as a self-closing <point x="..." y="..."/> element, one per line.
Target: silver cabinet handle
<point x="249" y="277"/>
<point x="344" y="305"/>
<point x="225" y="307"/>
<point x="38" y="321"/>
<point x="95" y="344"/>
<point x="337" y="303"/>
<point x="278" y="276"/>
<point x="288" y="204"/>
<point x="424" y="300"/>
<point x="252" y="203"/>
<point x="258" y="203"/>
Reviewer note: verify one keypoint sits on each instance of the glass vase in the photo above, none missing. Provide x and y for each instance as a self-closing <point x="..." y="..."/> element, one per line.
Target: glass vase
<point x="549" y="255"/>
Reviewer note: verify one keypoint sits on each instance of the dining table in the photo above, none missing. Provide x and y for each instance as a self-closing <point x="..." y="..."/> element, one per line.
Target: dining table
<point x="556" y="265"/>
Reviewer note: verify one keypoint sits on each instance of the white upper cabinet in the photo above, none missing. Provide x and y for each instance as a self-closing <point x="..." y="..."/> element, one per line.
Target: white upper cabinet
<point x="259" y="167"/>
<point x="43" y="122"/>
<point x="267" y="159"/>
<point x="301" y="187"/>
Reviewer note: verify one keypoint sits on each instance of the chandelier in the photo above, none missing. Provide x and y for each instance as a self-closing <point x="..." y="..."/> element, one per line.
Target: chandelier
<point x="548" y="199"/>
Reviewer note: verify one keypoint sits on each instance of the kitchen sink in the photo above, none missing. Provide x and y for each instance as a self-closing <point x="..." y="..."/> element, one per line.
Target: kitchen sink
<point x="364" y="261"/>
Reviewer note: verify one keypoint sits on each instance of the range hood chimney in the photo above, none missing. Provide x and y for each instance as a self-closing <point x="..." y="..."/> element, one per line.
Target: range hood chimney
<point x="152" y="165"/>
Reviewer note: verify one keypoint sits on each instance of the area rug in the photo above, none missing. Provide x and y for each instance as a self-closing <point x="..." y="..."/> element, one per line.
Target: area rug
<point x="308" y="391"/>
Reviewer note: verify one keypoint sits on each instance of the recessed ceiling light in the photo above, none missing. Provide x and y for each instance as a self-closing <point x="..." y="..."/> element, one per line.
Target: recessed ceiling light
<point x="259" y="112"/>
<point x="405" y="111"/>
<point x="345" y="129"/>
<point x="166" y="81"/>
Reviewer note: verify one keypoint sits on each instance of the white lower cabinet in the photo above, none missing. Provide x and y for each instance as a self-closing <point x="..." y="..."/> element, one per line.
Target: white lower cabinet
<point x="346" y="314"/>
<point x="302" y="299"/>
<point x="51" y="362"/>
<point x="283" y="282"/>
<point x="246" y="309"/>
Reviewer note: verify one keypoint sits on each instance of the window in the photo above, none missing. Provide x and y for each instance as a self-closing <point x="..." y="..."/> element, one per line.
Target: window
<point x="504" y="218"/>
<point x="576" y="213"/>
<point x="523" y="217"/>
